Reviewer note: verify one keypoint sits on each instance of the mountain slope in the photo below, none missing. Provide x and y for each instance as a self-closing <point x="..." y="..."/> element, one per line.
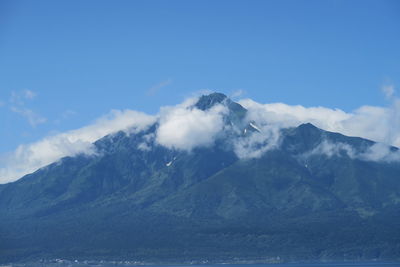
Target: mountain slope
<point x="310" y="196"/>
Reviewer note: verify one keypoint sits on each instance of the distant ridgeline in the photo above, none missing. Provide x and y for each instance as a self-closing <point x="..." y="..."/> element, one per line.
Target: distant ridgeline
<point x="297" y="193"/>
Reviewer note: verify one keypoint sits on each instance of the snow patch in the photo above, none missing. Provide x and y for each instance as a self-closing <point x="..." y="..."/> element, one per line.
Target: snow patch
<point x="255" y="127"/>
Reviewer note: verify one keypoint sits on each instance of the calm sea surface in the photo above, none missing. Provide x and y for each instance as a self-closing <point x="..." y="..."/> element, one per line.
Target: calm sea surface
<point x="372" y="264"/>
<point x="277" y="265"/>
<point x="299" y="265"/>
<point x="296" y="265"/>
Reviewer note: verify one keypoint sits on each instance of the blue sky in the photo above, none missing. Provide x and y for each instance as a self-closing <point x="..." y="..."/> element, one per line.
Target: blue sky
<point x="65" y="63"/>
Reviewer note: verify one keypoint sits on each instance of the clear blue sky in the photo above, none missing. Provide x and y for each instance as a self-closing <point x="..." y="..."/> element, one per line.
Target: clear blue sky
<point x="80" y="59"/>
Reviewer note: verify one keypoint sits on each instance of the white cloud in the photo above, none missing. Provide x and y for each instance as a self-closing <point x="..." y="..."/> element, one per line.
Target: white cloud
<point x="255" y="144"/>
<point x="33" y="118"/>
<point x="185" y="127"/>
<point x="289" y="116"/>
<point x="381" y="124"/>
<point x="28" y="158"/>
<point x="380" y="152"/>
<point x="17" y="105"/>
<point x="147" y="143"/>
<point x="16" y="98"/>
<point x="237" y="93"/>
<point x="19" y="97"/>
<point x="388" y="90"/>
<point x="29" y="94"/>
<point x="333" y="149"/>
<point x="155" y="88"/>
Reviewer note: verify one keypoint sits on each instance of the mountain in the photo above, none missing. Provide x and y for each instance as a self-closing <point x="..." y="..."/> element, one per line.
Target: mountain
<point x="313" y="195"/>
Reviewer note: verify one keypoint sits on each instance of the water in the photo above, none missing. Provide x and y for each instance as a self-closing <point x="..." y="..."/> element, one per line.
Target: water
<point x="364" y="264"/>
<point x="288" y="265"/>
<point x="372" y="264"/>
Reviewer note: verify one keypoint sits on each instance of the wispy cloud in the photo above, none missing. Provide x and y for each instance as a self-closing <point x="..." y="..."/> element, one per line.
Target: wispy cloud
<point x="377" y="152"/>
<point x="388" y="90"/>
<point x="33" y="118"/>
<point x="29" y="94"/>
<point x="17" y="104"/>
<point x="238" y="93"/>
<point x="28" y="158"/>
<point x="331" y="149"/>
<point x="380" y="152"/>
<point x="65" y="115"/>
<point x="157" y="87"/>
<point x="255" y="144"/>
<point x="19" y="97"/>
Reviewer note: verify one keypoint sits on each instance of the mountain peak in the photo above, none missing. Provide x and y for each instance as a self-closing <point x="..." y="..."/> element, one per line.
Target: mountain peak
<point x="236" y="112"/>
<point x="308" y="125"/>
<point x="207" y="101"/>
